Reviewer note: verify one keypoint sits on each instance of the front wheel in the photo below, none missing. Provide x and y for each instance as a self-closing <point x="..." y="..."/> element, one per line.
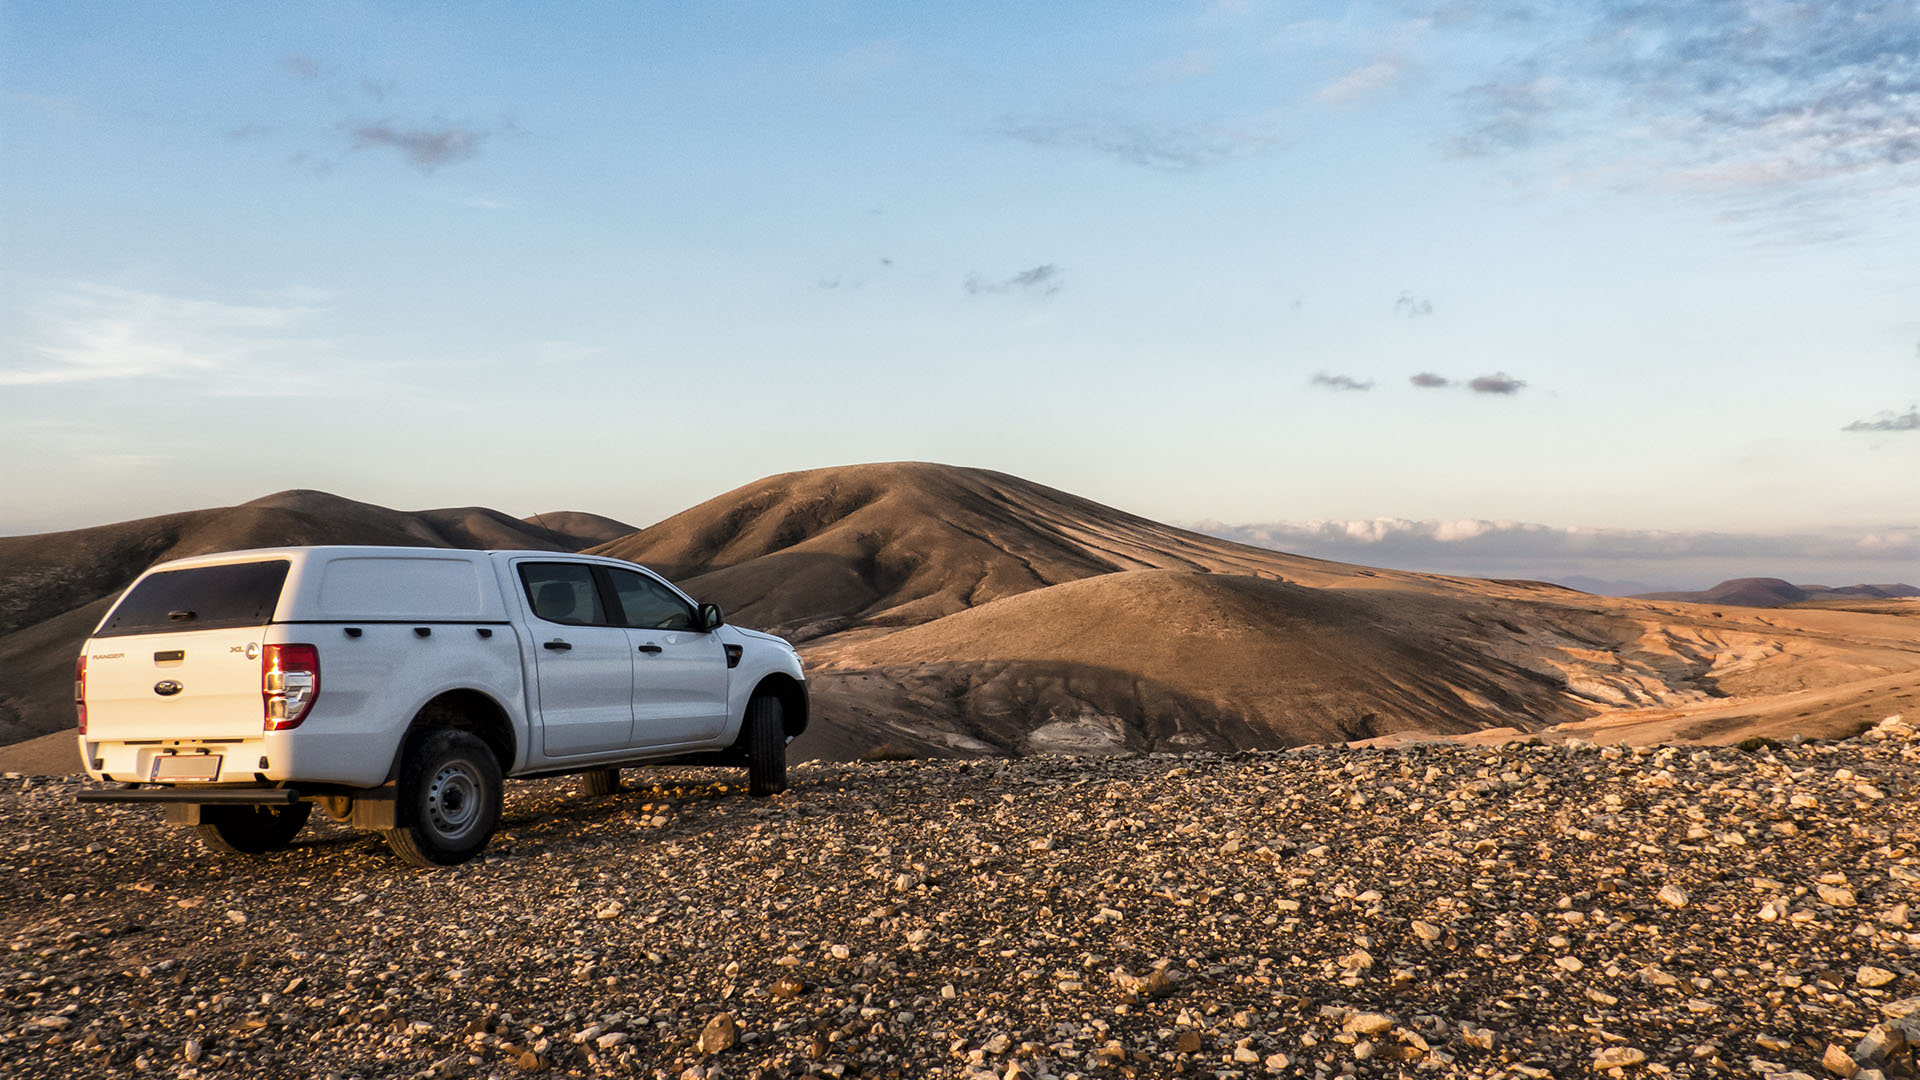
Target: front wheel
<point x="766" y="740"/>
<point x="251" y="830"/>
<point x="449" y="800"/>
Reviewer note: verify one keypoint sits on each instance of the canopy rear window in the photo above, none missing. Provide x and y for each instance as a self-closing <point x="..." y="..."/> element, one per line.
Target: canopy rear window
<point x="200" y="598"/>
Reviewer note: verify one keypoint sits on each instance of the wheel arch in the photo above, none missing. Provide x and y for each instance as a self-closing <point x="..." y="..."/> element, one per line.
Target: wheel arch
<point x="793" y="700"/>
<point x="464" y="709"/>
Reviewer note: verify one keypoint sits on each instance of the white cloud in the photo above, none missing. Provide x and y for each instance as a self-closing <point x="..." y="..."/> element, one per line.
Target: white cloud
<point x="91" y="332"/>
<point x="1787" y="102"/>
<point x="1449" y="532"/>
<point x="1892" y="543"/>
<point x="1176" y="148"/>
<point x="1365" y="81"/>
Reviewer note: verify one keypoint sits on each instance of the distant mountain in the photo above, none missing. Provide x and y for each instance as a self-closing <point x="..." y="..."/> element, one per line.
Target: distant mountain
<point x="55" y="586"/>
<point x="1773" y="592"/>
<point x="1607" y="586"/>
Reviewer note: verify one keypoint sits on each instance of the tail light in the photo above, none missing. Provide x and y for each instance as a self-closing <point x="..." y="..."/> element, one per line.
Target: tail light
<point x="289" y="683"/>
<point x="80" y="690"/>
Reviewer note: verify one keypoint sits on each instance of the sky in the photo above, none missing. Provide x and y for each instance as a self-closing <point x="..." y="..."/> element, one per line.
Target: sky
<point x="1604" y="270"/>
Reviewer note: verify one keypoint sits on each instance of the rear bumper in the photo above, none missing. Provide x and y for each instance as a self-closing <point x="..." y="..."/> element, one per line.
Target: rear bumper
<point x="309" y="755"/>
<point x="241" y="760"/>
<point x="224" y="795"/>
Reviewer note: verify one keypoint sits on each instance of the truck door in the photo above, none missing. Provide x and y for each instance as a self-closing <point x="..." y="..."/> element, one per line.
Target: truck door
<point x="679" y="672"/>
<point x="583" y="664"/>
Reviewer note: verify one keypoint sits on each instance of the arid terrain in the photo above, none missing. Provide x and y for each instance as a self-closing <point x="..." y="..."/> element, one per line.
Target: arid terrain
<point x="1221" y="811"/>
<point x="951" y="612"/>
<point x="1516" y="910"/>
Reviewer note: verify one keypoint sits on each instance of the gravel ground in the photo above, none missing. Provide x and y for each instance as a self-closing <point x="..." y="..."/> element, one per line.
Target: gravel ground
<point x="1522" y="910"/>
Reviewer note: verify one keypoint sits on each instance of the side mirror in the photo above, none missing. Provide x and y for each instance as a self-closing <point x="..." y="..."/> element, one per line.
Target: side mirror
<point x="710" y="617"/>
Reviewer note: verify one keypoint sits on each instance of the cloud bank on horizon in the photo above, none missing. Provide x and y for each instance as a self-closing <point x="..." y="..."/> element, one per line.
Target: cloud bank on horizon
<point x="1611" y="560"/>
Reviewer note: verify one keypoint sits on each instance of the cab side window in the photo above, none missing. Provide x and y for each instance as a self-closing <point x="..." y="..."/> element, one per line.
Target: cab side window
<point x="563" y="593"/>
<point x="649" y="605"/>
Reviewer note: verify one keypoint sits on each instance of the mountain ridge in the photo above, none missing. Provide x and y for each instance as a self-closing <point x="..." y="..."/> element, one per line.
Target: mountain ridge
<point x="1777" y="592"/>
<point x="945" y="610"/>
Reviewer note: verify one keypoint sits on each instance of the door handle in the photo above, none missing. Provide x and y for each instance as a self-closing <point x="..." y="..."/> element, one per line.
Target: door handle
<point x="559" y="646"/>
<point x="650" y="647"/>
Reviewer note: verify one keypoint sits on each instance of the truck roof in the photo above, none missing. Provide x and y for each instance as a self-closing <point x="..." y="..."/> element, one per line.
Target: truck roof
<point x="367" y="582"/>
<point x="303" y="551"/>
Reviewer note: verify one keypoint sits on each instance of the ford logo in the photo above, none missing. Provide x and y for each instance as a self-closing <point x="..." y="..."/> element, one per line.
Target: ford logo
<point x="167" y="688"/>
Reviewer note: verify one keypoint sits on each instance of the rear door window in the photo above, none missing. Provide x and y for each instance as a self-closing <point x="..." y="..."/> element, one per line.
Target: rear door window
<point x="563" y="593"/>
<point x="200" y="598"/>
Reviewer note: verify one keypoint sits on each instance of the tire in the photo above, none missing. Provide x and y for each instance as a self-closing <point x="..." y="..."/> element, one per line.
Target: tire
<point x="599" y="781"/>
<point x="766" y="740"/>
<point x="251" y="830"/>
<point x="449" y="800"/>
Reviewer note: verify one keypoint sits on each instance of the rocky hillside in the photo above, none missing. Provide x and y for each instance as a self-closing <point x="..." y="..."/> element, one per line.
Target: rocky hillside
<point x="1520" y="910"/>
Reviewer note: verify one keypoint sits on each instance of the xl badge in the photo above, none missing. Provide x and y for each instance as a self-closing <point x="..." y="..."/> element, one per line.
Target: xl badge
<point x="167" y="688"/>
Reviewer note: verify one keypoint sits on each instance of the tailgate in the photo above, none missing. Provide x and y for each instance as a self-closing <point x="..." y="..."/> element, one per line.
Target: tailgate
<point x="197" y="684"/>
<point x="179" y="656"/>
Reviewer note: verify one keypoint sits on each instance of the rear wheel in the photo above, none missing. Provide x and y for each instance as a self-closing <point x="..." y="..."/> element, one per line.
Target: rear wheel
<point x="766" y="739"/>
<point x="599" y="781"/>
<point x="251" y="830"/>
<point x="449" y="800"/>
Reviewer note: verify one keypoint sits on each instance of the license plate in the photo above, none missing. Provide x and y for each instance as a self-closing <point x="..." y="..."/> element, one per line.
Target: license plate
<point x="186" y="767"/>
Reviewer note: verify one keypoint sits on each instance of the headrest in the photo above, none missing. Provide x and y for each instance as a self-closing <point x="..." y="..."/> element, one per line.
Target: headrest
<point x="555" y="601"/>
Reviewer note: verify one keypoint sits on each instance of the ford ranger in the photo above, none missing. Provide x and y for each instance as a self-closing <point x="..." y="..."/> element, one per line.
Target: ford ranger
<point x="396" y="687"/>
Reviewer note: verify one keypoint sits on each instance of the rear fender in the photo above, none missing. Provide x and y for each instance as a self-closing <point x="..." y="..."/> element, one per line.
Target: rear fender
<point x="501" y="726"/>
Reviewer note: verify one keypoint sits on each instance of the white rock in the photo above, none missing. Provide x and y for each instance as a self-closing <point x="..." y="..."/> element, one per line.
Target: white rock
<point x="1617" y="1057"/>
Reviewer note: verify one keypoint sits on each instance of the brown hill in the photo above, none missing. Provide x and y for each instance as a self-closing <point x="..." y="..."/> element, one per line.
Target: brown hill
<point x="1172" y="660"/>
<point x="55" y="586"/>
<point x="1774" y="592"/>
<point x="1741" y="592"/>
<point x="808" y="554"/>
<point x="576" y="529"/>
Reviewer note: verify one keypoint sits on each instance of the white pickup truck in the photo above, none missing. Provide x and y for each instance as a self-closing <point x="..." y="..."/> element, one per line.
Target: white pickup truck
<point x="396" y="688"/>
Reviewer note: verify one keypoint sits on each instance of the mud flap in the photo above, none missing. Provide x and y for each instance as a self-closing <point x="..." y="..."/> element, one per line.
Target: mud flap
<point x="376" y="808"/>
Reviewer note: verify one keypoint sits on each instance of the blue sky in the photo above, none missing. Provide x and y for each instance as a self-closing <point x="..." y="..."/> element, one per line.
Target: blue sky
<point x="1189" y="259"/>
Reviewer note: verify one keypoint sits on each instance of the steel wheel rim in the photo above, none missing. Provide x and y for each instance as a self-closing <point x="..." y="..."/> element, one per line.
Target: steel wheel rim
<point x="453" y="800"/>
